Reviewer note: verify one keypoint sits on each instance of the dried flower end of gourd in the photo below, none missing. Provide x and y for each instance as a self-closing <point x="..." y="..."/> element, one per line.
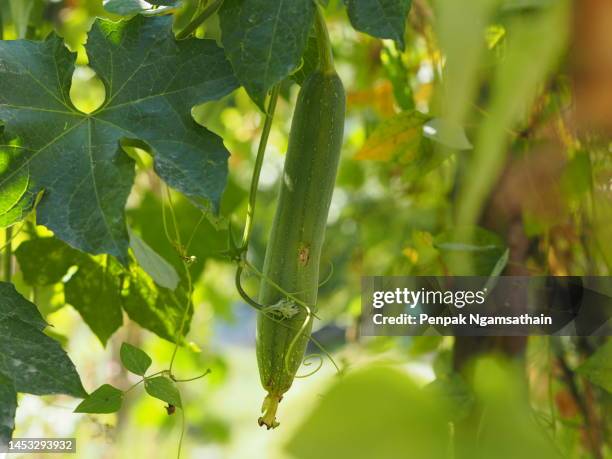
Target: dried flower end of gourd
<point x="269" y="407"/>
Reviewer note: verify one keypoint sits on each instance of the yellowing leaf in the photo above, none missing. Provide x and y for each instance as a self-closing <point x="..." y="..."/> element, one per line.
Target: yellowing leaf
<point x="380" y="97"/>
<point x="411" y="254"/>
<point x="397" y="136"/>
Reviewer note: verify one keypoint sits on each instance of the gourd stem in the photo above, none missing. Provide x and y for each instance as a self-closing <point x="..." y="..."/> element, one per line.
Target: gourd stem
<point x="326" y="59"/>
<point x="8" y="255"/>
<point x="199" y="19"/>
<point x="270" y="405"/>
<point x="261" y="150"/>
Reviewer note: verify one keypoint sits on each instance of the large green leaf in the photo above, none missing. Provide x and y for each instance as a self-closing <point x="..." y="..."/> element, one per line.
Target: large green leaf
<point x="265" y="40"/>
<point x="95" y="291"/>
<point x="380" y="18"/>
<point x="155" y="308"/>
<point x="509" y="429"/>
<point x="8" y="406"/>
<point x="373" y="412"/>
<point x="152" y="81"/>
<point x="100" y="288"/>
<point x="44" y="261"/>
<point x="35" y="363"/>
<point x="14" y="306"/>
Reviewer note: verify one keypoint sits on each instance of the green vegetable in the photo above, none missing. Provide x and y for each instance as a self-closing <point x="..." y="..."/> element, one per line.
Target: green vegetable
<point x="294" y="246"/>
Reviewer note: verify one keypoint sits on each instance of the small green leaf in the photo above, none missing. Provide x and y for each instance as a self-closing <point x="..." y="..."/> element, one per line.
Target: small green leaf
<point x="162" y="272"/>
<point x="164" y="389"/>
<point x="134" y="359"/>
<point x="105" y="399"/>
<point x="598" y="367"/>
<point x="380" y="18"/>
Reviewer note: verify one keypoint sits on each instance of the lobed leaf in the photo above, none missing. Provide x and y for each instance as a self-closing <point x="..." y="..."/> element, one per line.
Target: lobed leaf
<point x="152" y="81"/>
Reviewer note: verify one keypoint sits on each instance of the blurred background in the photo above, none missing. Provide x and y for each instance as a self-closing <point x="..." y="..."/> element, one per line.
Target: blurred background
<point x="497" y="117"/>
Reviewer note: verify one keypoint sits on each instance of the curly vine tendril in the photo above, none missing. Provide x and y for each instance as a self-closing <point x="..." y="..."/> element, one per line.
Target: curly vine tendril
<point x="308" y="361"/>
<point x="301" y="330"/>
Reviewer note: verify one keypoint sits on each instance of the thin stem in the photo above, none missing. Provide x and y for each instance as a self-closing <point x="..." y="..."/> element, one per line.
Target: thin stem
<point x="8" y="254"/>
<point x="245" y="296"/>
<point x="180" y="445"/>
<point x="199" y="19"/>
<point x="7" y="242"/>
<point x="133" y="386"/>
<point x="184" y="318"/>
<point x="143" y="380"/>
<point x="177" y="234"/>
<point x="326" y="59"/>
<point x="261" y="151"/>
<point x="177" y="243"/>
<point x="193" y="233"/>
<point x="207" y="372"/>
